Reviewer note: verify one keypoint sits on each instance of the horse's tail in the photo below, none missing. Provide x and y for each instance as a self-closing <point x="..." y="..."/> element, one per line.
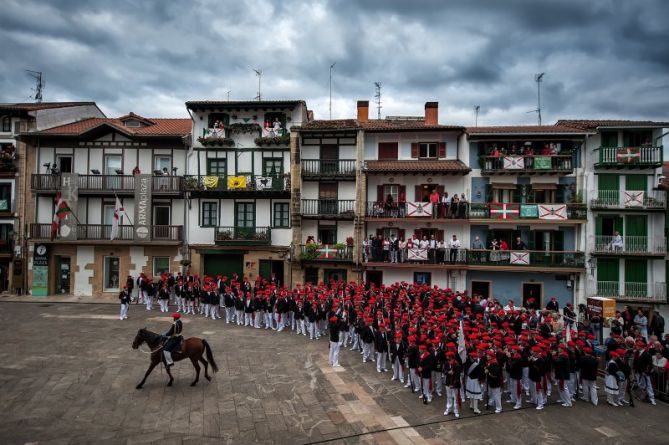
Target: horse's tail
<point x="210" y="356"/>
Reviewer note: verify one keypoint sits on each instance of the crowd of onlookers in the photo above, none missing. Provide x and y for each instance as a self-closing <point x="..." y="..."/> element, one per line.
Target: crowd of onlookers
<point x="442" y="205"/>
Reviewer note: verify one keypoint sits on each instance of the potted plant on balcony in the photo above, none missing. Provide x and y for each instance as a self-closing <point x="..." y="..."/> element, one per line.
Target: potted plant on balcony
<point x="273" y="140"/>
<point x="341" y="250"/>
<point x="185" y="262"/>
<point x="190" y="183"/>
<point x="240" y="127"/>
<point x="310" y="252"/>
<point x="224" y="235"/>
<point x="213" y="141"/>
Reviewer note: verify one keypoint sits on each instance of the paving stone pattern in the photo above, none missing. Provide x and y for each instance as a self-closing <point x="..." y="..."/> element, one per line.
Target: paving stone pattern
<point x="68" y="376"/>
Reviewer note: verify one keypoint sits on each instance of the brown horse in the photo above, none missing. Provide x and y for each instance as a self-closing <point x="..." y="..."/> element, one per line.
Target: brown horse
<point x="193" y="348"/>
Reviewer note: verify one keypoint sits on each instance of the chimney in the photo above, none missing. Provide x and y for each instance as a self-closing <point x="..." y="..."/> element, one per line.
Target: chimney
<point x="431" y="113"/>
<point x="363" y="110"/>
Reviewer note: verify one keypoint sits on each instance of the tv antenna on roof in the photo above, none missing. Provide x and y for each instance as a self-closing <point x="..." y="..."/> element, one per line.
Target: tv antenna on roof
<point x="476" y="112"/>
<point x="39" y="85"/>
<point x="228" y="93"/>
<point x="377" y="96"/>
<point x="259" y="74"/>
<point x="331" y="66"/>
<point x="538" y="78"/>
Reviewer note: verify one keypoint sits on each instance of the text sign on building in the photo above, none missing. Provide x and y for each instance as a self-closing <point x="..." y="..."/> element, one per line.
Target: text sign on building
<point x="142" y="208"/>
<point x="40" y="287"/>
<point x="69" y="189"/>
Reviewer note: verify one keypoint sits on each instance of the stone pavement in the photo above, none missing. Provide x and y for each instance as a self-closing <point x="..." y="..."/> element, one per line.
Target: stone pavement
<point x="67" y="376"/>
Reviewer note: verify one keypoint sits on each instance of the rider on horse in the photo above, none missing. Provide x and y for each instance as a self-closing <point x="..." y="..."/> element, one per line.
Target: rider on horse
<point x="174" y="338"/>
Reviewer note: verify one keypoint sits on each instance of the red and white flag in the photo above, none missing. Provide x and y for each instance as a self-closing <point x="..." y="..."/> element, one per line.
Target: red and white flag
<point x="119" y="211"/>
<point x="61" y="212"/>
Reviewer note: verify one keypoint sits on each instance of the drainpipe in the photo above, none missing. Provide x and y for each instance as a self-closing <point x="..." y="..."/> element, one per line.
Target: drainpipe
<point x="187" y="204"/>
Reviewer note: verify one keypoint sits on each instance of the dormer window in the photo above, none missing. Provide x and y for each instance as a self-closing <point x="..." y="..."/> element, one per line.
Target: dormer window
<point x="132" y="123"/>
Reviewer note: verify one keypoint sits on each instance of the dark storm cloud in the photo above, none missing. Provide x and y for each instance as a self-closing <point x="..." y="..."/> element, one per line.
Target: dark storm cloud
<point x="602" y="58"/>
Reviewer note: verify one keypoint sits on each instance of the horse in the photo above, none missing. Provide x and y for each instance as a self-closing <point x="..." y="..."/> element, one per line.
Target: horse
<point x="193" y="348"/>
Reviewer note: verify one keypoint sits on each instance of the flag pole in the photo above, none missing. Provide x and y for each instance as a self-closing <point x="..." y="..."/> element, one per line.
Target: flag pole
<point x="124" y="212"/>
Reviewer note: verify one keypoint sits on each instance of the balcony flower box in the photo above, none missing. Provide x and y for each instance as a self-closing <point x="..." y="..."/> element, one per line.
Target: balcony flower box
<point x="273" y="140"/>
<point x="213" y="141"/>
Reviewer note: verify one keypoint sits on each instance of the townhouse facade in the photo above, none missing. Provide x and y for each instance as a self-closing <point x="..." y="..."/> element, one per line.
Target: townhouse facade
<point x="137" y="160"/>
<point x="239" y="186"/>
<point x="16" y="118"/>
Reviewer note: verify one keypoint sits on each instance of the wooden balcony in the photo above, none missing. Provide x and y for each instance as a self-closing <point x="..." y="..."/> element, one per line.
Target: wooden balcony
<point x="630" y="245"/>
<point x="326" y="252"/>
<point x="478" y="212"/>
<point x="241" y="236"/>
<point x="522" y="164"/>
<point x="102" y="233"/>
<point x="629" y="157"/>
<point x="630" y="200"/>
<point x="108" y="184"/>
<point x="328" y="208"/>
<point x="626" y="291"/>
<point x="491" y="260"/>
<point x="238" y="186"/>
<point x="328" y="169"/>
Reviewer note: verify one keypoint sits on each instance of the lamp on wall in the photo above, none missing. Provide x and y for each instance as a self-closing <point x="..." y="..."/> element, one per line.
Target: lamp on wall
<point x="592" y="265"/>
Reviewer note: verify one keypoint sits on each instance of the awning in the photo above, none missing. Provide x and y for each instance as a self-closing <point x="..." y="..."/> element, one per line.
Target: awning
<point x="504" y="186"/>
<point x="544" y="186"/>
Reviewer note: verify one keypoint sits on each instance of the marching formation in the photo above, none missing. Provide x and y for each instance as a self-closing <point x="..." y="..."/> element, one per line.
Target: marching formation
<point x="437" y="342"/>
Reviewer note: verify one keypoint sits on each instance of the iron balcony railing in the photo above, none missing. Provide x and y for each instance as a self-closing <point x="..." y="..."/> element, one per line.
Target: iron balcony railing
<point x="239" y="183"/>
<point x="614" y="199"/>
<point x="326" y="252"/>
<point x="381" y="209"/>
<point x="243" y="235"/>
<point x="527" y="164"/>
<point x="630" y="245"/>
<point x="325" y="167"/>
<point x="107" y="183"/>
<point x="102" y="232"/>
<point x="343" y="208"/>
<point x="521" y="258"/>
<point x="654" y="292"/>
<point x="647" y="156"/>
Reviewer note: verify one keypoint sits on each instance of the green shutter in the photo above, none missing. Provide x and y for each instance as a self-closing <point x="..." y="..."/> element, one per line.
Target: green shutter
<point x="266" y="269"/>
<point x="607" y="269"/>
<point x="608" y="182"/>
<point x="609" y="139"/>
<point x="618" y="224"/>
<point x="636" y="271"/>
<point x="558" y="240"/>
<point x="598" y="226"/>
<point x="636" y="225"/>
<point x="637" y="183"/>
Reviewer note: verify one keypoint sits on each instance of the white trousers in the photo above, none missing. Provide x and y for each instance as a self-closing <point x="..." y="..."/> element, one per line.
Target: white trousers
<point x="452" y="395"/>
<point x="334" y="353"/>
<point x="495" y="397"/>
<point x="590" y="391"/>
<point x="124" y="311"/>
<point x="149" y="302"/>
<point x="381" y="358"/>
<point x="398" y="370"/>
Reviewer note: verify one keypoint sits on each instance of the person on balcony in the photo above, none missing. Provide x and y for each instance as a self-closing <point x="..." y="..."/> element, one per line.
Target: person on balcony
<point x="136" y="171"/>
<point x="445" y="203"/>
<point x="403" y="250"/>
<point x="478" y="247"/>
<point x="454" y="245"/>
<point x="455" y="204"/>
<point x="462" y="206"/>
<point x="617" y="242"/>
<point x="520" y="245"/>
<point x="394" y="248"/>
<point x="434" y="200"/>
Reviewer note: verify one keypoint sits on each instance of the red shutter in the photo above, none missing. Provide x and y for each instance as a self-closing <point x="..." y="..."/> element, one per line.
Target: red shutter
<point x="388" y="151"/>
<point x="400" y="233"/>
<point x="419" y="193"/>
<point x="402" y="197"/>
<point x="379" y="193"/>
<point x="441" y="150"/>
<point x="439" y="235"/>
<point x="414" y="149"/>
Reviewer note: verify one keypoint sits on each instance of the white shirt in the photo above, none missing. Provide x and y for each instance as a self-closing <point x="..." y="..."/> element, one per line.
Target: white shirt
<point x="454" y="244"/>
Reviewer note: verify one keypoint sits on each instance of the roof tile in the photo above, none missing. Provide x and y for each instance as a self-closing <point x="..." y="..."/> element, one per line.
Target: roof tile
<point x="161" y="127"/>
<point x="586" y="124"/>
<point x="417" y="166"/>
<point x="526" y="129"/>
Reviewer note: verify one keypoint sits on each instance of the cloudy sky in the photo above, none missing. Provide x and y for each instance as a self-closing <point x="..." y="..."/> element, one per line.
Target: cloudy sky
<point x="602" y="58"/>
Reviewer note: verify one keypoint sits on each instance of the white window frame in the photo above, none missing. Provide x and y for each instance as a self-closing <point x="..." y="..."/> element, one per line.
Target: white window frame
<point x="428" y="147"/>
<point x="107" y="270"/>
<point x="153" y="265"/>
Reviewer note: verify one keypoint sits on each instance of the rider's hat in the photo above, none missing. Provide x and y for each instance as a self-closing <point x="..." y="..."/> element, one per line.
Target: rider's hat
<point x="176" y="315"/>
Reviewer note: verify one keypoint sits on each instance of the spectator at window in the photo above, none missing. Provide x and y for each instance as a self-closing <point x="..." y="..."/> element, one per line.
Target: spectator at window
<point x="445" y="203"/>
<point x="434" y="200"/>
<point x="520" y="244"/>
<point x="136" y="171"/>
<point x="462" y="206"/>
<point x="455" y="202"/>
<point x="454" y="246"/>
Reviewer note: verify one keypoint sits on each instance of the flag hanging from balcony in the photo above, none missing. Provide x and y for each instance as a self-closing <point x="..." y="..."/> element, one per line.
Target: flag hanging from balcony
<point x="62" y="210"/>
<point x="542" y="163"/>
<point x="419" y="209"/>
<point x="633" y="199"/>
<point x="263" y="182"/>
<point x="504" y="211"/>
<point x="210" y="182"/>
<point x="553" y="211"/>
<point x="327" y="252"/>
<point x="628" y="155"/>
<point x="520" y="258"/>
<point x="417" y="254"/>
<point x="514" y="163"/>
<point x="236" y="182"/>
<point x="119" y="212"/>
<point x="529" y="211"/>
